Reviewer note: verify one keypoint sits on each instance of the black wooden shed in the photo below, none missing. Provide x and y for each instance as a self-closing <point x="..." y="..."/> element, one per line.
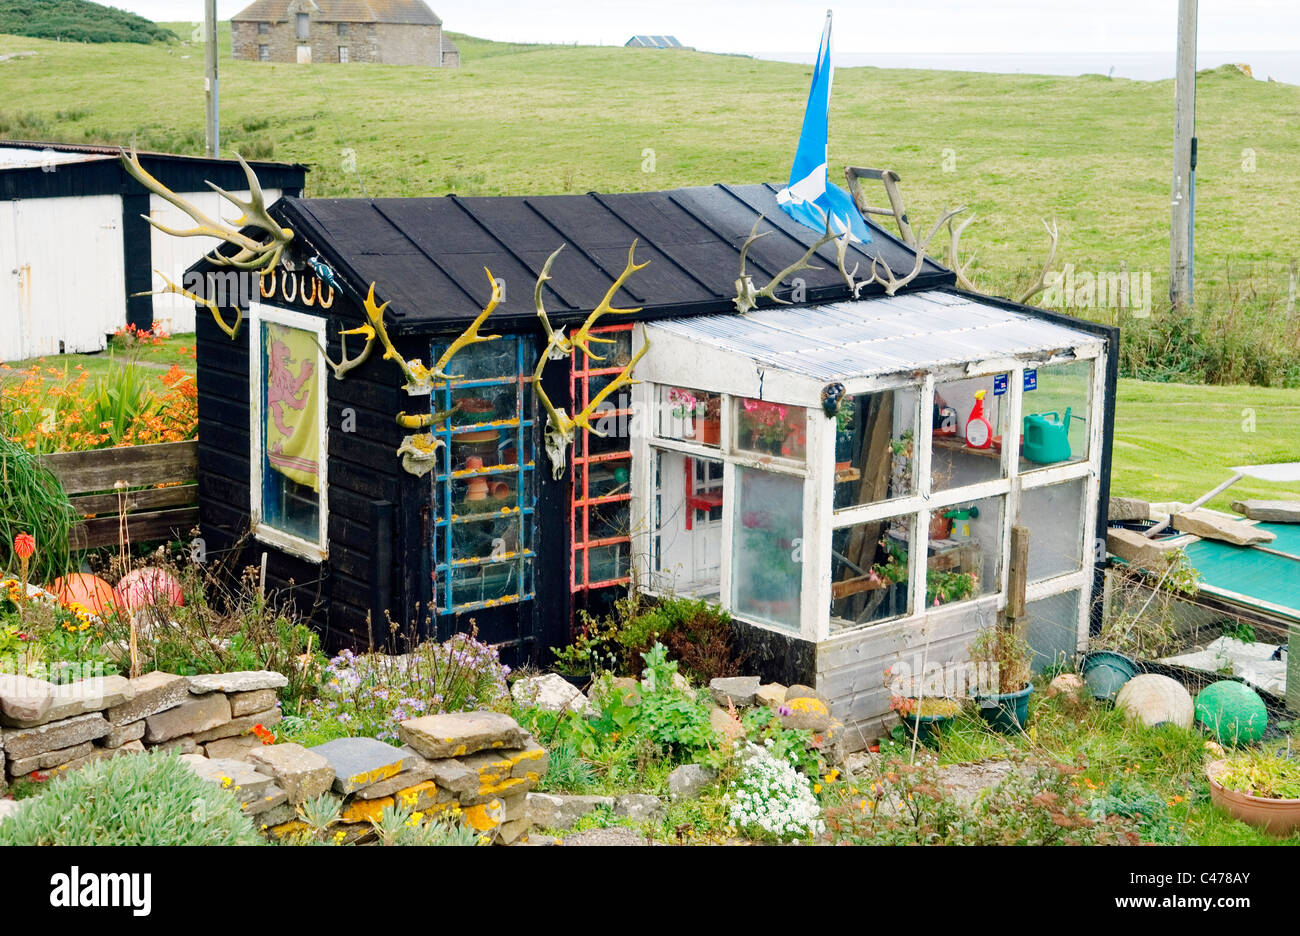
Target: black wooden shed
<point x="489" y="535"/>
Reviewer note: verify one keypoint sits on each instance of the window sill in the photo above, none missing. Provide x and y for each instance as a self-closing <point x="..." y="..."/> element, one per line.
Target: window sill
<point x="287" y="542"/>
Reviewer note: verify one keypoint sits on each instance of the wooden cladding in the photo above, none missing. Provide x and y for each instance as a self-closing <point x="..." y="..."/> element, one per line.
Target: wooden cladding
<point x="159" y="498"/>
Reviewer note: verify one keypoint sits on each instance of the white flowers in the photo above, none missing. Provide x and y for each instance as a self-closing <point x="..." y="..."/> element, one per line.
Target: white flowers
<point x="773" y="797"/>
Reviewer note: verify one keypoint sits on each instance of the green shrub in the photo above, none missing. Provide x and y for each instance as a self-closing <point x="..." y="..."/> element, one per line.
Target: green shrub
<point x="33" y="501"/>
<point x="77" y="21"/>
<point x="134" y="799"/>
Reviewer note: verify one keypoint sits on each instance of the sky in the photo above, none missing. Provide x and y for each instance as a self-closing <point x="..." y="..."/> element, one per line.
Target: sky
<point x="758" y="27"/>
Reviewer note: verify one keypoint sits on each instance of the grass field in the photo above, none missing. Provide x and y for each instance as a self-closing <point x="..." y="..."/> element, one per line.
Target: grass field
<point x="1094" y="152"/>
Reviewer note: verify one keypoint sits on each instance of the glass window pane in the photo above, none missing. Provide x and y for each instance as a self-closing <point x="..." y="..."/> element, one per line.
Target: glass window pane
<point x="291" y="442"/>
<point x="965" y="555"/>
<point x="869" y="580"/>
<point x="610" y="562"/>
<point x="766" y="571"/>
<point x="968" y="421"/>
<point x="769" y="428"/>
<point x="1056" y="415"/>
<point x="1054" y="516"/>
<point x="690" y="415"/>
<point x="875" y="448"/>
<point x="484" y="361"/>
<point x="1053" y="630"/>
<point x="486" y="538"/>
<point x="687" y="535"/>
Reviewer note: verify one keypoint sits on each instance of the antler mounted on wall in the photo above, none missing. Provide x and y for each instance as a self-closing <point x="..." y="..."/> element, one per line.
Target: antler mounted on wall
<point x="747" y="295"/>
<point x="560" y="426"/>
<point x="963" y="279"/>
<point x="254" y="253"/>
<point x="891" y="282"/>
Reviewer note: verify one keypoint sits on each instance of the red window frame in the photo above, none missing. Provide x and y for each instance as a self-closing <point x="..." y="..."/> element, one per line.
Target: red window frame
<point x="580" y="500"/>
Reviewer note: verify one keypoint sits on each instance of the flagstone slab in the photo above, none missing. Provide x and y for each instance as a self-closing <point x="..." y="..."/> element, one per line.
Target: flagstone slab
<point x="359" y="762"/>
<point x="455" y="734"/>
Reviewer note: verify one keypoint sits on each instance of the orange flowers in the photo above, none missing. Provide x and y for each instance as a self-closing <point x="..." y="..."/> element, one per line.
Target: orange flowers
<point x="24" y="546"/>
<point x="263" y="735"/>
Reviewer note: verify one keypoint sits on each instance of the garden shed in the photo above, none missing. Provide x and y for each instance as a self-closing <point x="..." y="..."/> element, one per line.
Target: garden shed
<point x="835" y="468"/>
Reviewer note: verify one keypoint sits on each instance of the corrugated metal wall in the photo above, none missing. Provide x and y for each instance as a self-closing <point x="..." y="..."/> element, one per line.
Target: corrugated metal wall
<point x="173" y="255"/>
<point x="62" y="286"/>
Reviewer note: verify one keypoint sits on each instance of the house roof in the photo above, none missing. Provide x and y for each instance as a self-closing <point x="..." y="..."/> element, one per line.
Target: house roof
<point x="427" y="255"/>
<point x="405" y="12"/>
<point x="654" y="42"/>
<point x="880" y="335"/>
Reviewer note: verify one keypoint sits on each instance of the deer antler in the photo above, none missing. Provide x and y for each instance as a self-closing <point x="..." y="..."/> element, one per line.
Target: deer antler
<point x="253" y="254"/>
<point x="470" y="335"/>
<point x="1041" y="283"/>
<point x="959" y="268"/>
<point x="559" y="425"/>
<point x="347" y="363"/>
<point x="171" y="287"/>
<point x="746" y="295"/>
<point x="891" y="283"/>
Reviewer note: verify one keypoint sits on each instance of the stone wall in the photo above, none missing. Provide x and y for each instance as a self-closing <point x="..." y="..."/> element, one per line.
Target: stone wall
<point x="384" y="43"/>
<point x="481" y="764"/>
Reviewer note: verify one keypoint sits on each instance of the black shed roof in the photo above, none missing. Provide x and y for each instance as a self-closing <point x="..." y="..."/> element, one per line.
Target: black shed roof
<point x="427" y="255"/>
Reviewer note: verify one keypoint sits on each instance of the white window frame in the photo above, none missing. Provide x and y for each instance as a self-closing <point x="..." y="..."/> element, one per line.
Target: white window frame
<point x="684" y="363"/>
<point x="259" y="313"/>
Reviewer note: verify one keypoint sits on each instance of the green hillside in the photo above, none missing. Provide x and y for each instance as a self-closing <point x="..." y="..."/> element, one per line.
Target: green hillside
<point x="77" y="21"/>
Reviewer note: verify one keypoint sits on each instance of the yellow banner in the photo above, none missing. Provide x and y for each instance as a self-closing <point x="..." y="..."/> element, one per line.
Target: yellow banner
<point x="292" y="418"/>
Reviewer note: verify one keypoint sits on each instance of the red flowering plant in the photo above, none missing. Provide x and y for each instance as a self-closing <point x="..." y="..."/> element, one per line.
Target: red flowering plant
<point x="773" y="427"/>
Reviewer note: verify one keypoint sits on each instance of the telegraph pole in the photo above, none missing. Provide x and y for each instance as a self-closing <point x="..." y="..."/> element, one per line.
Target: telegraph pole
<point x="1182" y="220"/>
<point x="210" y="77"/>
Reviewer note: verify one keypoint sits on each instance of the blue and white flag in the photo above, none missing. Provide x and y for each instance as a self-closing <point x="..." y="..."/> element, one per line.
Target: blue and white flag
<point x="809" y="198"/>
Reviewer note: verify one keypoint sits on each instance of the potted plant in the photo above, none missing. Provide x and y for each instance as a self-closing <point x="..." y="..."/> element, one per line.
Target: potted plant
<point x="1259" y="788"/>
<point x="685" y="407"/>
<point x="1002" y="658"/>
<point x="765" y="426"/>
<point x="945" y="587"/>
<point x="844" y="433"/>
<point x="925" y="718"/>
<point x="709" y="428"/>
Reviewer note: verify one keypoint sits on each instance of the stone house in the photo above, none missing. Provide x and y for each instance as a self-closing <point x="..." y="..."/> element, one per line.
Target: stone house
<point x="387" y="32"/>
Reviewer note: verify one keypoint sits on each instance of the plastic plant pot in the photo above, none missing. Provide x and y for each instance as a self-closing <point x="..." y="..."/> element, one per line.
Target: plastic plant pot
<point x="1106" y="672"/>
<point x="928" y="728"/>
<point x="1278" y="817"/>
<point x="1007" y="712"/>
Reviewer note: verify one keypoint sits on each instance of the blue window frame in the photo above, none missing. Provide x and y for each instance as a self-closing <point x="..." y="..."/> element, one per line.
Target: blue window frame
<point x="485" y="486"/>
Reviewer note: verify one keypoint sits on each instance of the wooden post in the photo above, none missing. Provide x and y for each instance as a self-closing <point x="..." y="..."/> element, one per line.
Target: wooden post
<point x="210" y="78"/>
<point x="1180" y="231"/>
<point x="1018" y="576"/>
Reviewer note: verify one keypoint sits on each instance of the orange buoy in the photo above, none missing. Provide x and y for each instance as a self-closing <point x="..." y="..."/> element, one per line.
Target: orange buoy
<point x="89" y="591"/>
<point x="148" y="586"/>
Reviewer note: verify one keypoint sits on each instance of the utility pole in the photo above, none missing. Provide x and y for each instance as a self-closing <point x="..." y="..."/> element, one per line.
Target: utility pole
<point x="210" y="78"/>
<point x="1184" y="185"/>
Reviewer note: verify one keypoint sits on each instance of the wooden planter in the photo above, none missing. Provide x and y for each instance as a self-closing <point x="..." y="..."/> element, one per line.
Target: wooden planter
<point x="160" y="497"/>
<point x="1278" y="817"/>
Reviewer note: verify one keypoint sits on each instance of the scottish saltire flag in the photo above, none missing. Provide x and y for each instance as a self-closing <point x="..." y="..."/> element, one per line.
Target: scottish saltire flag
<point x="809" y="198"/>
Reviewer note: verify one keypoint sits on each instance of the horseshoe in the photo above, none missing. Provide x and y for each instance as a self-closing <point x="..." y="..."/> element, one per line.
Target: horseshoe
<point x="315" y="288"/>
<point x="261" y="283"/>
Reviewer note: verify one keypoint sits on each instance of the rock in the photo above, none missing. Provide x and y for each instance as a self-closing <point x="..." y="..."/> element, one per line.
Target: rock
<point x="21" y="766"/>
<point x="1068" y="684"/>
<point x="531" y="762"/>
<point x="453" y="776"/>
<point x="688" y="780"/>
<point x="512" y="830"/>
<point x="1127" y="508"/>
<point x="422" y="797"/>
<point x="236" y="776"/>
<point x="681" y="683"/>
<point x="551" y="811"/>
<point x="720" y="720"/>
<point x="234" y="748"/>
<point x="181" y="745"/>
<point x="8" y="807"/>
<point x="625" y="689"/>
<point x="277" y="816"/>
<point x="1154" y="700"/>
<point x="420" y="773"/>
<point x="1137" y="550"/>
<point x="805" y="713"/>
<point x="495" y="771"/>
<point x="77" y="698"/>
<point x="614" y="836"/>
<point x="798" y="691"/>
<point x="302" y="773"/>
<point x="119" y="735"/>
<point x="247" y="703"/>
<point x="773" y="694"/>
<point x="24" y="700"/>
<point x="238" y="726"/>
<point x="1269" y="511"/>
<point x="359" y="762"/>
<point x="484" y="817"/>
<point x="193" y="715"/>
<point x="1210" y="525"/>
<point x="550" y="692"/>
<point x="27" y="742"/>
<point x="153" y="692"/>
<point x="735" y="690"/>
<point x="639" y="807"/>
<point x="453" y="734"/>
<point x="243" y="681"/>
<point x="359" y="810"/>
<point x="271" y="797"/>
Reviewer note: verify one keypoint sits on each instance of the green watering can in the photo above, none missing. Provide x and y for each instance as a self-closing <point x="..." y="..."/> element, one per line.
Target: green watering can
<point x="1047" y="437"/>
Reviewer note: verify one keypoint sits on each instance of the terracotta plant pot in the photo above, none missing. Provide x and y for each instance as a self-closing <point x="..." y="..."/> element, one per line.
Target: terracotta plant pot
<point x="940" y="527"/>
<point x="709" y="431"/>
<point x="1278" y="817"/>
